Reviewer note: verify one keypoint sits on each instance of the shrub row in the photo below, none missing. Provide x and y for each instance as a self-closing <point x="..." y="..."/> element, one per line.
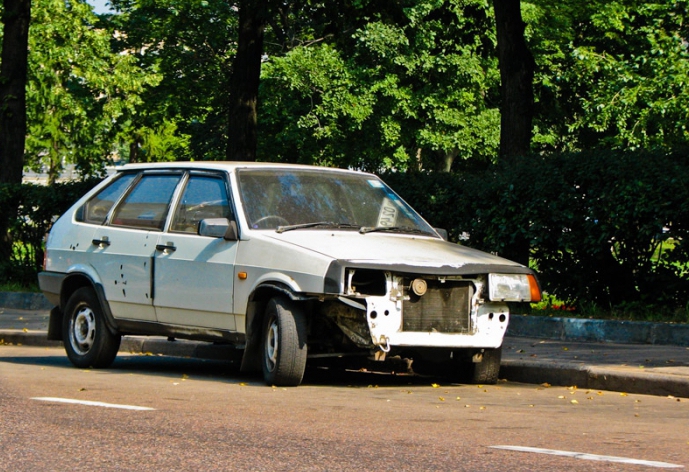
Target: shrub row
<point x="603" y="227"/>
<point x="30" y="211"/>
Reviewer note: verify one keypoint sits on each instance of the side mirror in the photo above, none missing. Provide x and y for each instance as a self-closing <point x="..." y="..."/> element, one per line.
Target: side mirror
<point x="219" y="228"/>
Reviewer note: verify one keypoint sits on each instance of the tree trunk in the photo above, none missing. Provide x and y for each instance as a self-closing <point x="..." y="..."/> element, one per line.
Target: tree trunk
<point x="516" y="75"/>
<point x="246" y="72"/>
<point x="13" y="67"/>
<point x="15" y="49"/>
<point x="516" y="90"/>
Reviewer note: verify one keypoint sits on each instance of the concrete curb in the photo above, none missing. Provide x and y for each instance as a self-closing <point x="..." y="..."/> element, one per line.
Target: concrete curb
<point x="595" y="378"/>
<point x="584" y="330"/>
<point x="24" y="301"/>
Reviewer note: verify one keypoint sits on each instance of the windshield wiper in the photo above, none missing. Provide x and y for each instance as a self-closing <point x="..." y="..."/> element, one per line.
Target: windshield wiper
<point x="329" y="224"/>
<point x="401" y="229"/>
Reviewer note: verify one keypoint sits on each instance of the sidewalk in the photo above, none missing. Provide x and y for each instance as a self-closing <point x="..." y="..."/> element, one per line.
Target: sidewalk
<point x="534" y="351"/>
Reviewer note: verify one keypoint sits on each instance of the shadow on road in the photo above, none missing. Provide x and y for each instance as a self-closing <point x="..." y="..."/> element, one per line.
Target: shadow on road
<point x="318" y="372"/>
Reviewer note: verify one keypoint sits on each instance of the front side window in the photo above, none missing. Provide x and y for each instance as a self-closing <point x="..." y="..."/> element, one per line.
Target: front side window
<point x="146" y="206"/>
<point x="203" y="197"/>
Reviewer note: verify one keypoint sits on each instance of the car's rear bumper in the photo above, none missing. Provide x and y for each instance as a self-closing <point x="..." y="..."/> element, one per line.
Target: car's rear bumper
<point x="50" y="284"/>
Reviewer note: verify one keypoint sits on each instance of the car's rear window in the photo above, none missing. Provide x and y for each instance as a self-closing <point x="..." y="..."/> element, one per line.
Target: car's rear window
<point x="146" y="206"/>
<point x="97" y="208"/>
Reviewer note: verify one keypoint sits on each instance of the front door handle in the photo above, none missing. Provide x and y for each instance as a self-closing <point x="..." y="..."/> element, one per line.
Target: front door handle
<point x="169" y="247"/>
<point x="102" y="242"/>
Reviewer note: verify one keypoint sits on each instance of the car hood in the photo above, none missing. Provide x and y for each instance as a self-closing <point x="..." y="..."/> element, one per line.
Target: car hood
<point x="387" y="249"/>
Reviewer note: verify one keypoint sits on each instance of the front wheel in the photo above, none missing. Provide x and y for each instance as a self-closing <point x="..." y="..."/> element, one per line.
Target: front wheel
<point x="88" y="341"/>
<point x="486" y="371"/>
<point x="284" y="343"/>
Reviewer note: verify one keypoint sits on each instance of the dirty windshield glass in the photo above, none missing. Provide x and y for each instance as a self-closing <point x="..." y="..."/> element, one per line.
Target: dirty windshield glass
<point x="290" y="199"/>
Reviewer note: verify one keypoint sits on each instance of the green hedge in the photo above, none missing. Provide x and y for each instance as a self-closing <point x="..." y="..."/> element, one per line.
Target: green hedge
<point x="603" y="227"/>
<point x="30" y="210"/>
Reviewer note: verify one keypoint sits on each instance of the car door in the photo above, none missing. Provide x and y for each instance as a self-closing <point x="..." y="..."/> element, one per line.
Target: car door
<point x="124" y="247"/>
<point x="193" y="276"/>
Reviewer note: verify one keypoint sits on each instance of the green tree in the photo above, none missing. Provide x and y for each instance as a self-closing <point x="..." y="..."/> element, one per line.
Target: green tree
<point x="16" y="16"/>
<point x="80" y="93"/>
<point x="190" y="44"/>
<point x="412" y="87"/>
<point x="610" y="74"/>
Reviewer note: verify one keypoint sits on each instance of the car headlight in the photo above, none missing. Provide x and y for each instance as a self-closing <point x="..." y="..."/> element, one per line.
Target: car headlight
<point x="513" y="288"/>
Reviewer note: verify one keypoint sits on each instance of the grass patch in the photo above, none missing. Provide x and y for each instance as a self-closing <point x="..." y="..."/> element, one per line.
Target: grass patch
<point x="18" y="287"/>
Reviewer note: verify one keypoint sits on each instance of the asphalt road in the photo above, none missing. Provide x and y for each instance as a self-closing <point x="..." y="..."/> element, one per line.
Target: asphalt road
<point x="204" y="415"/>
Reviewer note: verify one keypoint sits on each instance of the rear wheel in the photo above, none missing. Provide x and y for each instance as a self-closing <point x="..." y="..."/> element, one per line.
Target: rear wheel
<point x="88" y="341"/>
<point x="284" y="343"/>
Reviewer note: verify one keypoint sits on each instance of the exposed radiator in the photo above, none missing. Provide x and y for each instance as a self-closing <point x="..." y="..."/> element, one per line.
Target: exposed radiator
<point x="444" y="308"/>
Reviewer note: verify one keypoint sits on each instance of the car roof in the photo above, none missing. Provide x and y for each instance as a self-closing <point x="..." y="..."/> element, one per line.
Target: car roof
<point x="228" y="166"/>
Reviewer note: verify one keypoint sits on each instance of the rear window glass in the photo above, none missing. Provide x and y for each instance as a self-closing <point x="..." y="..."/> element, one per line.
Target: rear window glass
<point x="146" y="206"/>
<point x="97" y="208"/>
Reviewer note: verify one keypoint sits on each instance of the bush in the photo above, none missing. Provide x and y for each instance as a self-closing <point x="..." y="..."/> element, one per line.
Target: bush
<point x="31" y="210"/>
<point x="603" y="227"/>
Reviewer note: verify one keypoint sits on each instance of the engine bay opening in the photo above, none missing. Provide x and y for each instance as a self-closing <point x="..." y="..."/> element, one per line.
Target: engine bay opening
<point x="366" y="282"/>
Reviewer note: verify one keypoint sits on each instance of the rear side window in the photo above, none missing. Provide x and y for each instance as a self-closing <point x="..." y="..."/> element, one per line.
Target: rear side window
<point x="97" y="208"/>
<point x="147" y="204"/>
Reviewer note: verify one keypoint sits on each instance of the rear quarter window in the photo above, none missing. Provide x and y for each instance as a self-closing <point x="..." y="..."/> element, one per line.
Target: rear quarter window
<point x="97" y="208"/>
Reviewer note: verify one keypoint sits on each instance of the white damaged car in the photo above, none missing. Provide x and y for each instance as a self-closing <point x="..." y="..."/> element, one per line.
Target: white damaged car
<point x="283" y="261"/>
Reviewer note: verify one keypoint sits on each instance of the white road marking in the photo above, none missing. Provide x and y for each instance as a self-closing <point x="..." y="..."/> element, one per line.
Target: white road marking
<point x="591" y="457"/>
<point x="84" y="402"/>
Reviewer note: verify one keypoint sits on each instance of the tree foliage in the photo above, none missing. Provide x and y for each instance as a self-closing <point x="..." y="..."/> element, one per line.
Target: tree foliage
<point x="80" y="93"/>
<point x="412" y="90"/>
<point x="611" y="74"/>
<point x="190" y="44"/>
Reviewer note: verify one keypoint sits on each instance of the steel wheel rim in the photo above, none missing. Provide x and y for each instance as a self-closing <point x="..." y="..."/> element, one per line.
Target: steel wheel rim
<point x="272" y="345"/>
<point x="83" y="332"/>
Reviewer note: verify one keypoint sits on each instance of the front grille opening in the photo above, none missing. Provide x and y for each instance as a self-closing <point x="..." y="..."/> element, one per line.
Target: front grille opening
<point x="444" y="308"/>
<point x="368" y="282"/>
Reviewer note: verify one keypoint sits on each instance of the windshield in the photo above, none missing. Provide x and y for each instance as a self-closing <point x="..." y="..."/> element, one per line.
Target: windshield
<point x="291" y="199"/>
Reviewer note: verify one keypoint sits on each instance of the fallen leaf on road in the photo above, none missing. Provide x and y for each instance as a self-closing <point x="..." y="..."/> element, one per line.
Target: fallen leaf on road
<point x="546" y="385"/>
<point x="435" y="385"/>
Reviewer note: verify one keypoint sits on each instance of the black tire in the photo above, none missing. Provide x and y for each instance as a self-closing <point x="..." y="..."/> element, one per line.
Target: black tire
<point x="283" y="343"/>
<point x="486" y="371"/>
<point x="88" y="341"/>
